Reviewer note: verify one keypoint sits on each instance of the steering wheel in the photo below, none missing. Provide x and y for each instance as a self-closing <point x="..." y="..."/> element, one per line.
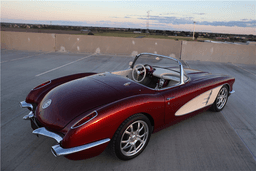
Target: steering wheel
<point x="138" y="70"/>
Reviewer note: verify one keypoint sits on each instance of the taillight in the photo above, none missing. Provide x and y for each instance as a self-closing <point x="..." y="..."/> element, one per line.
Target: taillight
<point x="42" y="85"/>
<point x="84" y="120"/>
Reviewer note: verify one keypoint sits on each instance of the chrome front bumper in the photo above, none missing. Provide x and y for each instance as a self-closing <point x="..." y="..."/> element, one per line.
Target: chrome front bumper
<point x="24" y="104"/>
<point x="231" y="92"/>
<point x="57" y="150"/>
<point x="45" y="132"/>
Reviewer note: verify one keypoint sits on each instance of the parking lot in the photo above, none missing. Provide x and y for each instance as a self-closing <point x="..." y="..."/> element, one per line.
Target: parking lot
<point x="208" y="141"/>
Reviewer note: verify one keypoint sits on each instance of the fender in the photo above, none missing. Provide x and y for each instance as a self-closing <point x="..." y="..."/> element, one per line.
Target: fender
<point x="37" y="93"/>
<point x="111" y="116"/>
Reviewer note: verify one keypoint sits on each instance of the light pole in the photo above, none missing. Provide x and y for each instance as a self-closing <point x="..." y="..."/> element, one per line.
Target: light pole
<point x="147" y="23"/>
<point x="194" y="31"/>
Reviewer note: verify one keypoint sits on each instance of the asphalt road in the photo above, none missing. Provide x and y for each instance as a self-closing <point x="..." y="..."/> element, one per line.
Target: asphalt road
<point x="208" y="141"/>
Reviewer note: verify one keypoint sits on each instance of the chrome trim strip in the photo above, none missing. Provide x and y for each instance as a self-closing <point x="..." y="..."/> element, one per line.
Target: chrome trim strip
<point x="86" y="121"/>
<point x="231" y="92"/>
<point x="57" y="150"/>
<point x="28" y="116"/>
<point x="181" y="74"/>
<point x="169" y="98"/>
<point x="208" y="98"/>
<point x="45" y="132"/>
<point x="24" y="104"/>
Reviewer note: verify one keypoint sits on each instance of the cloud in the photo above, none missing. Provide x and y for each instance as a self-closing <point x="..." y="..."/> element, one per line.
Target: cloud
<point x="199" y="13"/>
<point x="168" y="13"/>
<point x="243" y="23"/>
<point x="127" y="17"/>
<point x="189" y="20"/>
<point x="52" y="22"/>
<point x="167" y="20"/>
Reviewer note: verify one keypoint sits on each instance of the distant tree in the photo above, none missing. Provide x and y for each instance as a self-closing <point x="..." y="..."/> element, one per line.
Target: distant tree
<point x="196" y="35"/>
<point x="250" y="36"/>
<point x="168" y="32"/>
<point x="182" y="34"/>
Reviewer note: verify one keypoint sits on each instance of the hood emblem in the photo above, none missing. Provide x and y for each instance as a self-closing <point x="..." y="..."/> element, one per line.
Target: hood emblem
<point x="47" y="103"/>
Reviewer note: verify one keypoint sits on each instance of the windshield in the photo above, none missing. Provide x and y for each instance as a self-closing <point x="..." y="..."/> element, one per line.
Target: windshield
<point x="155" y="61"/>
<point x="162" y="67"/>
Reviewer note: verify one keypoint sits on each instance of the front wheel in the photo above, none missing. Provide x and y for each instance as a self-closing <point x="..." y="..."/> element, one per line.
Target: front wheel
<point x="221" y="99"/>
<point x="132" y="137"/>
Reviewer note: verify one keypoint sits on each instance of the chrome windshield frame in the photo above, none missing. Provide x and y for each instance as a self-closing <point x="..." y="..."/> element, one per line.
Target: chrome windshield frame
<point x="168" y="57"/>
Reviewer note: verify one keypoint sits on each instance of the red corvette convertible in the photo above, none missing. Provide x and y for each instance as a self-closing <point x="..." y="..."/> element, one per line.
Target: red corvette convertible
<point x="87" y="112"/>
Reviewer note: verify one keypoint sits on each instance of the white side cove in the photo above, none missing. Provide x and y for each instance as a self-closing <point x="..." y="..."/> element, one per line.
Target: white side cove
<point x="205" y="99"/>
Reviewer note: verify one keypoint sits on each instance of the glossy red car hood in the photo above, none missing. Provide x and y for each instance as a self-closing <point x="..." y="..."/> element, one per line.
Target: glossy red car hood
<point x="76" y="97"/>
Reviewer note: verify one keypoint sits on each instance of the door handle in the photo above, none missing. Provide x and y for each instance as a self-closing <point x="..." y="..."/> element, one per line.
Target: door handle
<point x="169" y="98"/>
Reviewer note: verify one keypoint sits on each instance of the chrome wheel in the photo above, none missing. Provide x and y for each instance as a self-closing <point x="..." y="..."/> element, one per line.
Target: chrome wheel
<point x="134" y="138"/>
<point x="131" y="137"/>
<point x="222" y="98"/>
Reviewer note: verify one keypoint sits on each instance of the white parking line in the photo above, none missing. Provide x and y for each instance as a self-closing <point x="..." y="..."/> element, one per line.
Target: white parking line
<point x="244" y="69"/>
<point x="25" y="57"/>
<point x="64" y="65"/>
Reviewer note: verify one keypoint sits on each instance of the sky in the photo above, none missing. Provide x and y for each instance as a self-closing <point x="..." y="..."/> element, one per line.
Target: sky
<point x="235" y="17"/>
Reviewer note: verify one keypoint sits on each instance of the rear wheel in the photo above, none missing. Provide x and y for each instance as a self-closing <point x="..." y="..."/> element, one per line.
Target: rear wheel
<point x="221" y="99"/>
<point x="132" y="137"/>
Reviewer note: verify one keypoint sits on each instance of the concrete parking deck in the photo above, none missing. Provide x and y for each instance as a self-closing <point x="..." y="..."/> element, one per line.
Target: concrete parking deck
<point x="208" y="141"/>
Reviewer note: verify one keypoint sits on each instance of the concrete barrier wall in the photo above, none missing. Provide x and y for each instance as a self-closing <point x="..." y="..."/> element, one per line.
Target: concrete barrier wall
<point x="28" y="41"/>
<point x="217" y="52"/>
<point x="203" y="51"/>
<point x="117" y="45"/>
